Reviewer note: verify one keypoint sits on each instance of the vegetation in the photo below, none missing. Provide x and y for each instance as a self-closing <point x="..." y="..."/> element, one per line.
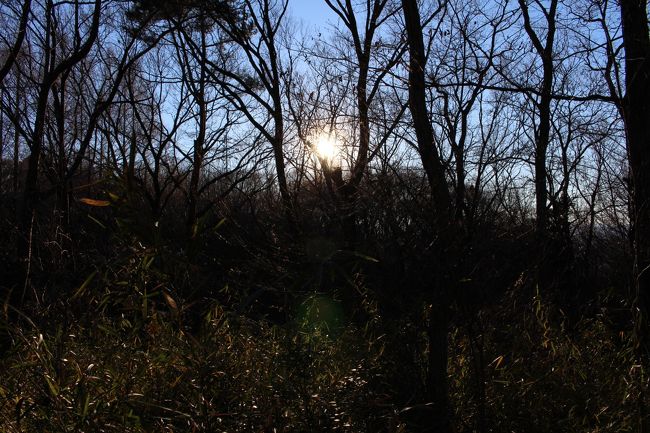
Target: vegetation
<point x="430" y="217"/>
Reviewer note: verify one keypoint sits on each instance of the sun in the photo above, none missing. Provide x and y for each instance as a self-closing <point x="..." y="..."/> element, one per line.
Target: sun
<point x="326" y="147"/>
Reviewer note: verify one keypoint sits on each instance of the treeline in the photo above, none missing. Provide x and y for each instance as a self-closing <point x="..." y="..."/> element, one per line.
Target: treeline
<point x="479" y="216"/>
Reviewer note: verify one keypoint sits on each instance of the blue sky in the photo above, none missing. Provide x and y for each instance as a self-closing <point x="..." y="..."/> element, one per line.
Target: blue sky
<point x="313" y="13"/>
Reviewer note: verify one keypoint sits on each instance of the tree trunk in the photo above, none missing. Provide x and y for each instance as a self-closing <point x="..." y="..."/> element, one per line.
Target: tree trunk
<point x="199" y="144"/>
<point x="636" y="115"/>
<point x="2" y="149"/>
<point x="18" y="43"/>
<point x="50" y="74"/>
<point x="278" y="154"/>
<point x="278" y="124"/>
<point x="543" y="136"/>
<point x="417" y="104"/>
<point x="436" y="381"/>
<point x="636" y="109"/>
<point x="16" y="162"/>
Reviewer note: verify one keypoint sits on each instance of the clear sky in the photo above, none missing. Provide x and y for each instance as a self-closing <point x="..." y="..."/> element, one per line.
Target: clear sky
<point x="313" y="13"/>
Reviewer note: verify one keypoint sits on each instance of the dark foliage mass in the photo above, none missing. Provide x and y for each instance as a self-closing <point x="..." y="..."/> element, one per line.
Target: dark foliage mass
<point x="176" y="9"/>
<point x="426" y="217"/>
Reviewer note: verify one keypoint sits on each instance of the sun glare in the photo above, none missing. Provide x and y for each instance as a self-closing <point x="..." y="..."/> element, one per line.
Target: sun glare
<point x="326" y="147"/>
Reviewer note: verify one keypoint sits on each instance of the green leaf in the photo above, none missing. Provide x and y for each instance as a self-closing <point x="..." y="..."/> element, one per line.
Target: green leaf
<point x="219" y="224"/>
<point x="54" y="389"/>
<point x="84" y="285"/>
<point x="84" y="412"/>
<point x="96" y="221"/>
<point x="148" y="261"/>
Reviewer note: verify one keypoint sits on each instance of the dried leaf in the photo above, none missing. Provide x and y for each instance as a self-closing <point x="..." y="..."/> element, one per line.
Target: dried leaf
<point x="93" y="202"/>
<point x="170" y="301"/>
<point x="497" y="362"/>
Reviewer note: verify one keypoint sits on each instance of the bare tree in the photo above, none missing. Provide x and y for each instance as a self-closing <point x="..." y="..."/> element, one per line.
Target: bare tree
<point x="636" y="114"/>
<point x="463" y="55"/>
<point x="254" y="86"/>
<point x="544" y="49"/>
<point x="369" y="74"/>
<point x="437" y="333"/>
<point x="52" y="70"/>
<point x="14" y="49"/>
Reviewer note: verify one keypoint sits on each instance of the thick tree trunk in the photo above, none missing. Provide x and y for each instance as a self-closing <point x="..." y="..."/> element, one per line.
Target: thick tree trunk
<point x="417" y="104"/>
<point x="193" y="194"/>
<point x="436" y="381"/>
<point x="2" y="151"/>
<point x="636" y="109"/>
<point x="278" y="125"/>
<point x="636" y="115"/>
<point x="278" y="155"/>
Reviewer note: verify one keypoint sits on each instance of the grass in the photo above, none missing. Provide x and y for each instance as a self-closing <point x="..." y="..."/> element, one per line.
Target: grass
<point x="234" y="375"/>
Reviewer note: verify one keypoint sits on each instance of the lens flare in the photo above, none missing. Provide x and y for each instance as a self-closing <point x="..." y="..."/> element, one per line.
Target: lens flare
<point x="326" y="147"/>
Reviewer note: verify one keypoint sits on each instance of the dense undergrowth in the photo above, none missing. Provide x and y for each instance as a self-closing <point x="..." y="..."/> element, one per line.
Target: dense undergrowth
<point x="238" y="374"/>
<point x="235" y="375"/>
<point x="125" y="325"/>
